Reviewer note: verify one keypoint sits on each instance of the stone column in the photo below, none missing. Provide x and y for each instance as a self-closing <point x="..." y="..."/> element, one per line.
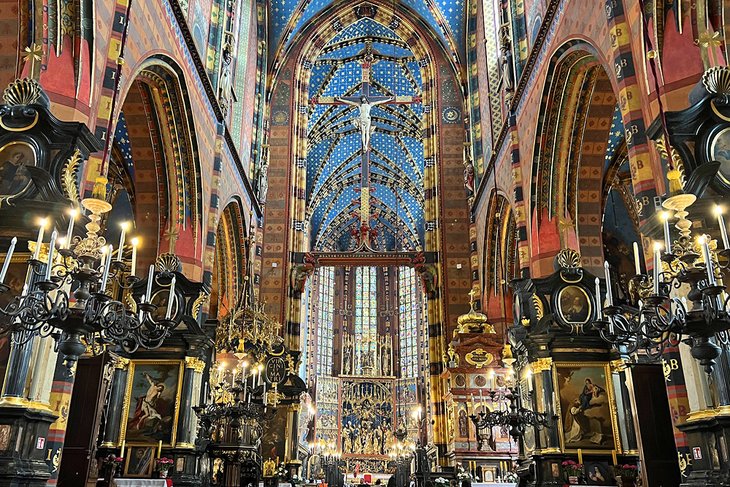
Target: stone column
<point x="110" y="438"/>
<point x="189" y="398"/>
<point x="185" y="471"/>
<point x="624" y="418"/>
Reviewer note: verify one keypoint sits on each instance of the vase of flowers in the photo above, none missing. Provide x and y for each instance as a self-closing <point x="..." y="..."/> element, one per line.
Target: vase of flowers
<point x="111" y="466"/>
<point x="162" y="466"/>
<point x="573" y="470"/>
<point x="626" y="474"/>
<point x="295" y="480"/>
<point x="441" y="482"/>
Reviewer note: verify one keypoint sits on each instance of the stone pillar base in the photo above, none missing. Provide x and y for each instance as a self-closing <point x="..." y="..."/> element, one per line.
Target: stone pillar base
<point x="23" y="429"/>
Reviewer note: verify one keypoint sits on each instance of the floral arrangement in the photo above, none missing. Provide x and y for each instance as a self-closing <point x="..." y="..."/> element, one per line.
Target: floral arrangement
<point x="462" y="475"/>
<point x="112" y="458"/>
<point x="163" y="464"/>
<point x="511" y="477"/>
<point x="626" y="471"/>
<point x="573" y="468"/>
<point x="295" y="479"/>
<point x="281" y="472"/>
<point x="441" y="481"/>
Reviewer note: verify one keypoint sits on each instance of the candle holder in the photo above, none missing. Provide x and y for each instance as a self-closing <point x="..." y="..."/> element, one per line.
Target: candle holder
<point x="653" y="318"/>
<point x="515" y="417"/>
<point x="83" y="297"/>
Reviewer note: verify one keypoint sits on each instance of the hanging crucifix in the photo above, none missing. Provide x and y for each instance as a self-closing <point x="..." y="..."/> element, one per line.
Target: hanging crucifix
<point x="365" y="101"/>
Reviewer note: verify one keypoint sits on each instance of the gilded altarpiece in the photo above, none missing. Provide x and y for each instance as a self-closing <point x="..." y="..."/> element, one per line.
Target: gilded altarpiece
<point x="367" y="421"/>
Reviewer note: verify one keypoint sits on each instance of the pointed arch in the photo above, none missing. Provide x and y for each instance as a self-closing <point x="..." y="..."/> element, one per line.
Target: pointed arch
<point x="162" y="152"/>
<point x="573" y="130"/>
<point x="231" y="261"/>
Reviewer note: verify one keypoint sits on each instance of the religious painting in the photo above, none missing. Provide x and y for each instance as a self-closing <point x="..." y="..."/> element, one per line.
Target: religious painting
<point x="273" y="441"/>
<point x="573" y="305"/>
<point x="585" y="406"/>
<point x="15" y="158"/>
<point x="152" y="401"/>
<point x="140" y="461"/>
<point x="463" y="424"/>
<point x="599" y="473"/>
<point x="367" y="417"/>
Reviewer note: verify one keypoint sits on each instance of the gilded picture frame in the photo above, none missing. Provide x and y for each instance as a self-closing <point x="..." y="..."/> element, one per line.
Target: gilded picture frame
<point x="15" y="157"/>
<point x="154" y="410"/>
<point x="139" y="461"/>
<point x="574" y="305"/>
<point x="585" y="392"/>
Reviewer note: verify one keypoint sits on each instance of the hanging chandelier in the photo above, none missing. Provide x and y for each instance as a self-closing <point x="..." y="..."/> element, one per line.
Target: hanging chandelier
<point x="84" y="295"/>
<point x="512" y="416"/>
<point x="683" y="300"/>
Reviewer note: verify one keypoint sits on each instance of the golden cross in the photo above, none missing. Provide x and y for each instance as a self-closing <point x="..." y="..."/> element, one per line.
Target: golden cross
<point x="33" y="55"/>
<point x="709" y="41"/>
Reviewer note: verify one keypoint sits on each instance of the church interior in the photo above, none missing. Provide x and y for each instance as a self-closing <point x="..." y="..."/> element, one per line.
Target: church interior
<point x="336" y="243"/>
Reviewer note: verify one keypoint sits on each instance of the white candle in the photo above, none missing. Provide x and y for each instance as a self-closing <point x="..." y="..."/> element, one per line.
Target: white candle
<point x="8" y="256"/>
<point x="609" y="290"/>
<point x="723" y="228"/>
<point x="51" y="248"/>
<point x="637" y="260"/>
<point x="70" y="230"/>
<point x="599" y="304"/>
<point x="657" y="266"/>
<point x="667" y="237"/>
<point x="107" y="265"/>
<point x="170" y="298"/>
<point x="133" y="270"/>
<point x="708" y="261"/>
<point x="39" y="240"/>
<point x="150" y="278"/>
<point x="120" y="251"/>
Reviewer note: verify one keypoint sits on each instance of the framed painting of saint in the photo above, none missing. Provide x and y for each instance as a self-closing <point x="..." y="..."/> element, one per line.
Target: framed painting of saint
<point x="586" y="407"/>
<point x="139" y="461"/>
<point x="15" y="158"/>
<point x="152" y="402"/>
<point x="573" y="305"/>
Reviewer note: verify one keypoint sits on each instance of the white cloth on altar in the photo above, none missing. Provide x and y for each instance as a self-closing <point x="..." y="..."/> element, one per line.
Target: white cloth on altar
<point x="141" y="482"/>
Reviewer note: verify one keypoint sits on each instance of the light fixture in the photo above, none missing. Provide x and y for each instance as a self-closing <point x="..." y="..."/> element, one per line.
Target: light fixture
<point x="683" y="300"/>
<point x="67" y="293"/>
<point x="513" y="416"/>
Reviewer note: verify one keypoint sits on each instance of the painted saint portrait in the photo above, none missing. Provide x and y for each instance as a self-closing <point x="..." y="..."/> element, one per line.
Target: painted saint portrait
<point x="15" y="158"/>
<point x="140" y="460"/>
<point x="153" y="401"/>
<point x="599" y="473"/>
<point x="585" y="405"/>
<point x="574" y="305"/>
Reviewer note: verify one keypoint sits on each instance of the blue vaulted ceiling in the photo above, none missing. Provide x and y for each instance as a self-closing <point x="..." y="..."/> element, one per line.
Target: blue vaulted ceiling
<point x="446" y="18"/>
<point x="334" y="155"/>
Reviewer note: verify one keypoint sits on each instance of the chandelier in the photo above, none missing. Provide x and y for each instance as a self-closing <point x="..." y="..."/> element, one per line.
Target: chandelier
<point x="512" y="416"/>
<point x="653" y="316"/>
<point x="84" y="295"/>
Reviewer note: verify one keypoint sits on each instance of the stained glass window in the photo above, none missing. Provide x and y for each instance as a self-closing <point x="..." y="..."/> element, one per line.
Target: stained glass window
<point x="408" y="316"/>
<point x="325" y="325"/>
<point x="366" y="319"/>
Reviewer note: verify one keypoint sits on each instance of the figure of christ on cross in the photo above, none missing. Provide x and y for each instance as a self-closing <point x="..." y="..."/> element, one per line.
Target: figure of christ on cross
<point x="364" y="101"/>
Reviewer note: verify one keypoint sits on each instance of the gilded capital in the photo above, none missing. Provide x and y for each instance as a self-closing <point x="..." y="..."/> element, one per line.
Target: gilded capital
<point x="194" y="363"/>
<point x="541" y="364"/>
<point x="618" y="365"/>
<point x="121" y="363"/>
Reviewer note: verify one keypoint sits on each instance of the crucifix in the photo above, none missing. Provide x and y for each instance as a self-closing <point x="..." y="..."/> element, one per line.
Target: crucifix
<point x="365" y="101"/>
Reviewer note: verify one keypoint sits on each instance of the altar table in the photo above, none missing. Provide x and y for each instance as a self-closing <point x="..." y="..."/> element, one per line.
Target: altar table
<point x="143" y="482"/>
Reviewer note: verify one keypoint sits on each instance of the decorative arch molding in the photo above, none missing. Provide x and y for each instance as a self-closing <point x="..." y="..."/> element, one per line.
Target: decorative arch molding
<point x="500" y="260"/>
<point x="174" y="189"/>
<point x="569" y="155"/>
<point x="231" y="260"/>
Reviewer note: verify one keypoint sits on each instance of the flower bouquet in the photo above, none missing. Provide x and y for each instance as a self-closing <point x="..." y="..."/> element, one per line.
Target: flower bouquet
<point x="110" y="465"/>
<point x="441" y="482"/>
<point x="162" y="466"/>
<point x="295" y="480"/>
<point x="574" y="471"/>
